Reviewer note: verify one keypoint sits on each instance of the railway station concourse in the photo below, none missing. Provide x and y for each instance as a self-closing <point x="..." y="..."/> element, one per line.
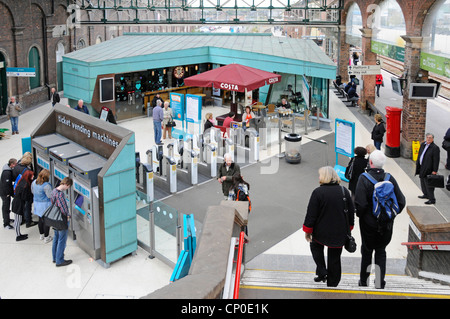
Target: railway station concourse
<point x="305" y="41"/>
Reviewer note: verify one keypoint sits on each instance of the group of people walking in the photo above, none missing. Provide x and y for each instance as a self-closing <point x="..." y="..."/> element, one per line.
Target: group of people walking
<point x="330" y="219"/>
<point x="23" y="194"/>
<point x="326" y="224"/>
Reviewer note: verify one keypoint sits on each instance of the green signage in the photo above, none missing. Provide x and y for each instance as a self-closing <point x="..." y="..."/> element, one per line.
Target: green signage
<point x="435" y="63"/>
<point x="388" y="50"/>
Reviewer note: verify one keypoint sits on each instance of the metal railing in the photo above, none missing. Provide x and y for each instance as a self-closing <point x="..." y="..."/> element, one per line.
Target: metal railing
<point x="429" y="245"/>
<point x="237" y="280"/>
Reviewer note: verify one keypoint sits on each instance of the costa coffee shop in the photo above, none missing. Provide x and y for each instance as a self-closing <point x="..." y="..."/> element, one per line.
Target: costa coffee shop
<point x="134" y="67"/>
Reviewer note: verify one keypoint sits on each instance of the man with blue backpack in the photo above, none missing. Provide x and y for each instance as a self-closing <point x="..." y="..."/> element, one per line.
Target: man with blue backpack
<point x="378" y="200"/>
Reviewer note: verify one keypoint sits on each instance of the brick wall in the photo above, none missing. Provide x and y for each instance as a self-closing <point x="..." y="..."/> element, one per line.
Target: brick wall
<point x="22" y="27"/>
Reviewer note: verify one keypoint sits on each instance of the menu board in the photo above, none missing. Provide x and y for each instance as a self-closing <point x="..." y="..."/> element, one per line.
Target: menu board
<point x="193" y="108"/>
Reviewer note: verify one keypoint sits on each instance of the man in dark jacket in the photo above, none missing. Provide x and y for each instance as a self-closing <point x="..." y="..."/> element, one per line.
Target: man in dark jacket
<point x="55" y="97"/>
<point x="374" y="237"/>
<point x="226" y="172"/>
<point x="427" y="164"/>
<point x="7" y="191"/>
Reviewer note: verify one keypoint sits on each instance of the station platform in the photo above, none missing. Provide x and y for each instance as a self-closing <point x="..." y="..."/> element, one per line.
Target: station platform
<point x="277" y="243"/>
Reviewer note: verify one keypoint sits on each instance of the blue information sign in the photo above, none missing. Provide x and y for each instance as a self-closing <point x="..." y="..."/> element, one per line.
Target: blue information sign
<point x="344" y="143"/>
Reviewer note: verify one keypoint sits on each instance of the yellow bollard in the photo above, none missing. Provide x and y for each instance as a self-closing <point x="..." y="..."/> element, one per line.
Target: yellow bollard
<point x="415" y="150"/>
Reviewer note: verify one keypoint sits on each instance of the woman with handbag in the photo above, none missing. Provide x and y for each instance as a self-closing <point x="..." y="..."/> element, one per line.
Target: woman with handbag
<point x="168" y="119"/>
<point x="328" y="222"/>
<point x="22" y="195"/>
<point x="42" y="192"/>
<point x="59" y="242"/>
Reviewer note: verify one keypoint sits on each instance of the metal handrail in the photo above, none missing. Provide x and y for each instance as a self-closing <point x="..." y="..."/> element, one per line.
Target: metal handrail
<point x="238" y="266"/>
<point x="433" y="244"/>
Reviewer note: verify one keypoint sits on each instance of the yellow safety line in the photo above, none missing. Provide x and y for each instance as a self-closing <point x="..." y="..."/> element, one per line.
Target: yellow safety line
<point x="311" y="272"/>
<point x="385" y="293"/>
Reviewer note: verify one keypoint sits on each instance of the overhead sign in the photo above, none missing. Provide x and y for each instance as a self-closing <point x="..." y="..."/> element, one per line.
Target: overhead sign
<point x="364" y="69"/>
<point x="21" y="72"/>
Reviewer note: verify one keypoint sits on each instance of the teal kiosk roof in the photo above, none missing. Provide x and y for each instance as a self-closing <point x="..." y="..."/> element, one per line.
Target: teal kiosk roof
<point x="142" y="51"/>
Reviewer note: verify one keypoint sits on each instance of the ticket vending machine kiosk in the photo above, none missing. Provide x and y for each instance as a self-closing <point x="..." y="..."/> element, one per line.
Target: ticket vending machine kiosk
<point x="42" y="145"/>
<point x="59" y="158"/>
<point x="85" y="205"/>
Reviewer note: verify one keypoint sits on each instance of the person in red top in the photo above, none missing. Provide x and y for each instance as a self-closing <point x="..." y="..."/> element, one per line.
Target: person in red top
<point x="228" y="120"/>
<point x="378" y="83"/>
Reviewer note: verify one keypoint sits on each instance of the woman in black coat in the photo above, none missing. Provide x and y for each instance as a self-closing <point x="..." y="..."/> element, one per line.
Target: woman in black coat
<point x="378" y="131"/>
<point x="359" y="163"/>
<point x="22" y="195"/>
<point x="326" y="224"/>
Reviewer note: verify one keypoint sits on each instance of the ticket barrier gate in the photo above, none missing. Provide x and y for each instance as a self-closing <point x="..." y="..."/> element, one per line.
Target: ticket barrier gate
<point x="187" y="161"/>
<point x="207" y="164"/>
<point x="246" y="143"/>
<point x="164" y="169"/>
<point x="85" y="205"/>
<point x="42" y="146"/>
<point x="59" y="158"/>
<point x="144" y="179"/>
<point x="224" y="144"/>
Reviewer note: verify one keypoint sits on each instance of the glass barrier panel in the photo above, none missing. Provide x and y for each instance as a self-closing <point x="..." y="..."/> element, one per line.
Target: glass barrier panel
<point x="166" y="227"/>
<point x="143" y="208"/>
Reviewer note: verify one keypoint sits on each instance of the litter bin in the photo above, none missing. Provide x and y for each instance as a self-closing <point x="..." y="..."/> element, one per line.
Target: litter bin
<point x="293" y="148"/>
<point x="393" y="128"/>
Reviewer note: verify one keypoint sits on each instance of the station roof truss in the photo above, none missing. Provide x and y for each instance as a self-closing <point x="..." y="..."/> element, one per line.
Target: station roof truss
<point x="214" y="12"/>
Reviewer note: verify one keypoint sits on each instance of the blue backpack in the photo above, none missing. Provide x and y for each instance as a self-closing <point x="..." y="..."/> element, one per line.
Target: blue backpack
<point x="385" y="205"/>
<point x="18" y="178"/>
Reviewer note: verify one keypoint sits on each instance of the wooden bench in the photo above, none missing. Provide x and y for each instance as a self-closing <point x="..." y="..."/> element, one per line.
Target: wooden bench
<point x="371" y="108"/>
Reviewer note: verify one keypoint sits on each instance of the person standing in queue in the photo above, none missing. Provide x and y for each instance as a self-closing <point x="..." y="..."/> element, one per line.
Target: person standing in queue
<point x="22" y="196"/>
<point x="226" y="172"/>
<point x="7" y="191"/>
<point x="327" y="224"/>
<point x="42" y="192"/>
<point x="60" y="238"/>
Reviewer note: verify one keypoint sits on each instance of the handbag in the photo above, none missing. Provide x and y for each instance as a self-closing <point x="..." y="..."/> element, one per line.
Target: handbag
<point x="53" y="217"/>
<point x="171" y="123"/>
<point x="349" y="169"/>
<point x="435" y="181"/>
<point x="350" y="243"/>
